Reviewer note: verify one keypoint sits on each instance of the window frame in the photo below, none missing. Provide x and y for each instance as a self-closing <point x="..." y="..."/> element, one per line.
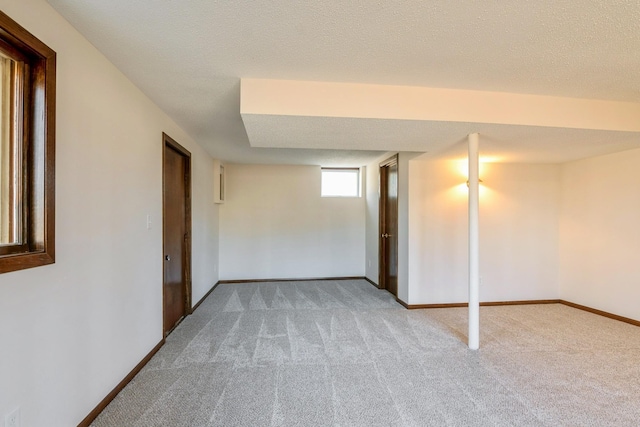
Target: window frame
<point x="358" y="172"/>
<point x="35" y="118"/>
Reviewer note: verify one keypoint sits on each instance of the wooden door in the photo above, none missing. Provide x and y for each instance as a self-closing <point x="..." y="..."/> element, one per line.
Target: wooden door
<point x="176" y="222"/>
<point x="389" y="225"/>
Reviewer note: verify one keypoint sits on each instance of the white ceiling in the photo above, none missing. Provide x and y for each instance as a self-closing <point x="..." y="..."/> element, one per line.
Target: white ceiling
<point x="188" y="56"/>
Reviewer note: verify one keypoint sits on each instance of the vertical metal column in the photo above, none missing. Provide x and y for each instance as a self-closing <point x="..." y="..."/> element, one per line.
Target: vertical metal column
<point x="474" y="247"/>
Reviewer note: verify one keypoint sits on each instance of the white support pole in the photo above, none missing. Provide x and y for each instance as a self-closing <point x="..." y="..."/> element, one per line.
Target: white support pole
<point x="474" y="247"/>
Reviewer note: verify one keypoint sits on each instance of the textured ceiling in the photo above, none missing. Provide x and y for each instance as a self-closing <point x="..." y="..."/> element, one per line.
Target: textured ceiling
<point x="188" y="56"/>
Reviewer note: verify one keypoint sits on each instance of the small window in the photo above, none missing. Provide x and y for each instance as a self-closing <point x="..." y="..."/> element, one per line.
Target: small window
<point x="340" y="182"/>
<point x="27" y="148"/>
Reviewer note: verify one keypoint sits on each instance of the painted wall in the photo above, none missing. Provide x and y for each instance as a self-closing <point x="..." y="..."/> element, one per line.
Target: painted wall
<point x="372" y="196"/>
<point x="274" y="224"/>
<point x="438" y="221"/>
<point x="204" y="222"/>
<point x="372" y="209"/>
<point x="72" y="330"/>
<point x="600" y="233"/>
<point x="519" y="210"/>
<point x="405" y="235"/>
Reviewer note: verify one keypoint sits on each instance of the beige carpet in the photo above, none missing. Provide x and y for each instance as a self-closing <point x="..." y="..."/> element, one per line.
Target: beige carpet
<point x="342" y="353"/>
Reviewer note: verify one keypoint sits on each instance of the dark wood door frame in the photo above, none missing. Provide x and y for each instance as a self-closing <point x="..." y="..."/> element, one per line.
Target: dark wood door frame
<point x="170" y="143"/>
<point x="383" y="242"/>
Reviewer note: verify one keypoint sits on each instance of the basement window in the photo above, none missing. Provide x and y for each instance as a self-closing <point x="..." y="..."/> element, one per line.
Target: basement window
<point x="340" y="182"/>
<point x="27" y="145"/>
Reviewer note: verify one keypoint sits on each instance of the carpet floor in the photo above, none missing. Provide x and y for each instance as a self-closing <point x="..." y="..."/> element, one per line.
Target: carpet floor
<point x="343" y="353"/>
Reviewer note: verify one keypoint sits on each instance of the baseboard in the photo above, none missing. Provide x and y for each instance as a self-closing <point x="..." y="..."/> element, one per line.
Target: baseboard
<point x="204" y="297"/>
<point x="103" y="404"/>
<point x="482" y="304"/>
<point x="525" y="302"/>
<point x="601" y="313"/>
<point x="305" y="279"/>
<point x="371" y="281"/>
<point x="404" y="304"/>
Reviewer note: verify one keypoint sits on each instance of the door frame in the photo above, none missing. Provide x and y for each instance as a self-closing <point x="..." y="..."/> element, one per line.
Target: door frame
<point x="171" y="144"/>
<point x="382" y="217"/>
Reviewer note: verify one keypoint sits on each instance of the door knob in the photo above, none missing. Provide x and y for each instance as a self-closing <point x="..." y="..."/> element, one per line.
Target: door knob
<point x="167" y="258"/>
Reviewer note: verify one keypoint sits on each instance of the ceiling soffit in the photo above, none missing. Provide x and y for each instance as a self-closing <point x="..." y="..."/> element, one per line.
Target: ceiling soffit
<point x="294" y="114"/>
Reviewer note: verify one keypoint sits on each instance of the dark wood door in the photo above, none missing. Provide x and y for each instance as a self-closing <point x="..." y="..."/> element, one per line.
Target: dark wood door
<point x="176" y="202"/>
<point x="389" y="225"/>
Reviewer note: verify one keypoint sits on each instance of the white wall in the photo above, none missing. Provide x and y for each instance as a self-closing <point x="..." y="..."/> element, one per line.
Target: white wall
<point x="405" y="236"/>
<point x="205" y="218"/>
<point x="600" y="233"/>
<point x="372" y="196"/>
<point x="274" y="224"/>
<point x="519" y="210"/>
<point x="519" y="232"/>
<point x="438" y="246"/>
<point x="372" y="209"/>
<point x="72" y="330"/>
